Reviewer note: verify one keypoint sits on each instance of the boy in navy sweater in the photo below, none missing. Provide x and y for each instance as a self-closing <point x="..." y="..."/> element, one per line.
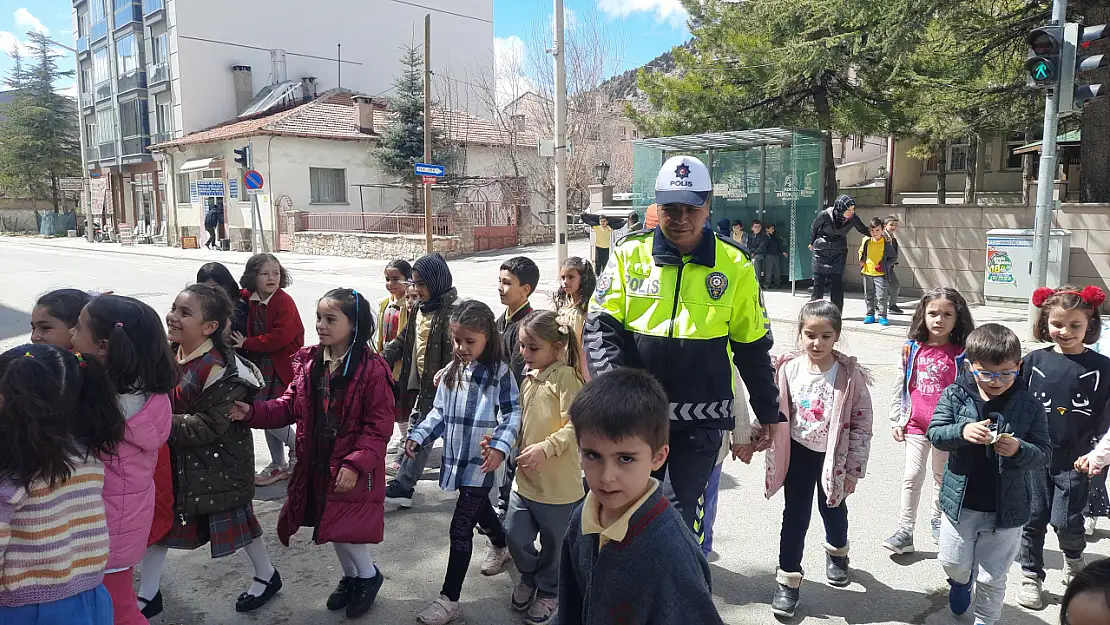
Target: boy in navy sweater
<point x="625" y="524"/>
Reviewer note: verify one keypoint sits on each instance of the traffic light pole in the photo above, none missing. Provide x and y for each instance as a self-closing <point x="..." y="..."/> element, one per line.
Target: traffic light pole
<point x="1046" y="181"/>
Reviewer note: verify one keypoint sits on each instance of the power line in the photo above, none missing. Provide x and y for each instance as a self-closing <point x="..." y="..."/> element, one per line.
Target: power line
<point x="444" y="11"/>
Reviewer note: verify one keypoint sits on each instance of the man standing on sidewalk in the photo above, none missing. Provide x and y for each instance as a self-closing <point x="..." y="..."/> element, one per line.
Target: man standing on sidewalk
<point x="684" y="304"/>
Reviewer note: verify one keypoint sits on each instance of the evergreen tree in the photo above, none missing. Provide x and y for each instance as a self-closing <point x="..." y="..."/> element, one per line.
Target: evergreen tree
<point x="39" y="142"/>
<point x="402" y="142"/>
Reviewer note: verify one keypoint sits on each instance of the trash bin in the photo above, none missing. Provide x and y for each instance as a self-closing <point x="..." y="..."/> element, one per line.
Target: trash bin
<point x="1009" y="269"/>
<point x="225" y="245"/>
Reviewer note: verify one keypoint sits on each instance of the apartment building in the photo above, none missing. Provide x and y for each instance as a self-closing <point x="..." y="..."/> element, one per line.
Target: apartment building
<point x="150" y="71"/>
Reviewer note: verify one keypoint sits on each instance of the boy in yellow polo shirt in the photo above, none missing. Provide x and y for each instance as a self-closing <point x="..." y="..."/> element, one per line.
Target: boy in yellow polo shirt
<point x="875" y="255"/>
<point x="625" y="536"/>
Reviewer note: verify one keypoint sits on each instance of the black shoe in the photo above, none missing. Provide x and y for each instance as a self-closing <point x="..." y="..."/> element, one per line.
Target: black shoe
<point x="397" y="495"/>
<point x="836" y="570"/>
<point x="785" y="601"/>
<point x="363" y="594"/>
<point x="248" y="603"/>
<point x="339" y="597"/>
<point x="152" y="607"/>
<point x="895" y="310"/>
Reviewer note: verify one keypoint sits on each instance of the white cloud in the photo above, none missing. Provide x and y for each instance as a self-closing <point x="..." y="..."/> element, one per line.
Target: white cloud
<point x="28" y="22"/>
<point x="508" y="63"/>
<point x="664" y="10"/>
<point x="10" y="41"/>
<point x="70" y="91"/>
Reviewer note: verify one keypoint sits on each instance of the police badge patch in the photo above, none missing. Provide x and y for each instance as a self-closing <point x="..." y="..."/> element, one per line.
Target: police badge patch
<point x="716" y="283"/>
<point x="604" y="281"/>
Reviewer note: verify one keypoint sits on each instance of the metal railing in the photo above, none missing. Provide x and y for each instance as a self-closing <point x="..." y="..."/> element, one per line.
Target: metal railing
<point x="376" y="223"/>
<point x="159" y="73"/>
<point x="162" y="137"/>
<point x="92" y="154"/>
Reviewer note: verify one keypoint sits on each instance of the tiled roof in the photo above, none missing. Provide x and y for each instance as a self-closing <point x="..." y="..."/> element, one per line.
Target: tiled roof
<point x="332" y="116"/>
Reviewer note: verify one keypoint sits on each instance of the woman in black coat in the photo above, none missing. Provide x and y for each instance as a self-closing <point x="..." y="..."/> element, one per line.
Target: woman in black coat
<point x="213" y="219"/>
<point x="829" y="243"/>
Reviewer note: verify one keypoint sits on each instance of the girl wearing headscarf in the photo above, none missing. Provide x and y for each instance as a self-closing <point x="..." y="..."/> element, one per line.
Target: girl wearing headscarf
<point x="829" y="244"/>
<point x="423" y="347"/>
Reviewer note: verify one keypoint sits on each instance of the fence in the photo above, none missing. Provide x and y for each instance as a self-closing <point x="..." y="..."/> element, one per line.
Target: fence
<point x="374" y="223"/>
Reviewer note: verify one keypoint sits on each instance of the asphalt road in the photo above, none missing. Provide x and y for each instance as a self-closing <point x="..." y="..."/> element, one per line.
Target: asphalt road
<point x="199" y="590"/>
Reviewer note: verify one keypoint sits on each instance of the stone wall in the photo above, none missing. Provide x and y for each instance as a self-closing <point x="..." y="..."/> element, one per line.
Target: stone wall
<point x="945" y="245"/>
<point x="374" y="246"/>
<point x="18" y="220"/>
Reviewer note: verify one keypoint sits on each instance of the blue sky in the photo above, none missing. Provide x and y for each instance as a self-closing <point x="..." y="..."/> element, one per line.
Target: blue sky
<point x="52" y="17"/>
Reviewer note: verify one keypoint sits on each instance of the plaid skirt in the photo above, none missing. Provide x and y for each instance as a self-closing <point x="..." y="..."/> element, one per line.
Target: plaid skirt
<point x="273" y="386"/>
<point x="226" y="531"/>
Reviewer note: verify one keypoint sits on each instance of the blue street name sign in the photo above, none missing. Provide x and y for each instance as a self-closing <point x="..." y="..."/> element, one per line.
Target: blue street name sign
<point x="423" y="169"/>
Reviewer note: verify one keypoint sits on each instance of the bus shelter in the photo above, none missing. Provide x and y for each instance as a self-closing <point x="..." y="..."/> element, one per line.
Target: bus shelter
<point x="774" y="175"/>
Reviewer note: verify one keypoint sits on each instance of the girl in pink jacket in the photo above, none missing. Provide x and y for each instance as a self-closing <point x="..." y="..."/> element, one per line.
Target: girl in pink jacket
<point x="127" y="336"/>
<point x="826" y="446"/>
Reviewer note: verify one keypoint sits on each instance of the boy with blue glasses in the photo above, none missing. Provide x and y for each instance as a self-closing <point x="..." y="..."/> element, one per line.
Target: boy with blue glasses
<point x="995" y="433"/>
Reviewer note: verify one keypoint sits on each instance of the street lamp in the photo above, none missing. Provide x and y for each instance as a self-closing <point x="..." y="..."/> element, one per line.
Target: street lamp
<point x="601" y="172"/>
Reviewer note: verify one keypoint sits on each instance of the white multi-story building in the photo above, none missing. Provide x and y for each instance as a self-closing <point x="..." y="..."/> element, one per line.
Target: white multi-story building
<point x="154" y="70"/>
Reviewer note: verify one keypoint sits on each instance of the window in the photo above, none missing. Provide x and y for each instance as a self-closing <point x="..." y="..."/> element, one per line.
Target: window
<point x="328" y="186"/>
<point x="134" y="119"/>
<point x="163" y="116"/>
<point x="101" y="66"/>
<point x="96" y="11"/>
<point x="160" y="50"/>
<point x="1014" y="141"/>
<point x="182" y="185"/>
<point x="105" y="126"/>
<point x="82" y="25"/>
<point x="127" y="55"/>
<point x="87" y="80"/>
<point x="957" y="156"/>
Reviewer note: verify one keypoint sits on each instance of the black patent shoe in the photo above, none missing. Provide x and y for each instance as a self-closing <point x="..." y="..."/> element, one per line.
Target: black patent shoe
<point x="363" y="594"/>
<point x="785" y="601"/>
<point x="152" y="607"/>
<point x="836" y="570"/>
<point x="339" y="597"/>
<point x="247" y="602"/>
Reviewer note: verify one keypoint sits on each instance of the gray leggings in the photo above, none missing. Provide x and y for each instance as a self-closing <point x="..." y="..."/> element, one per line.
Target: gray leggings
<point x="277" y="440"/>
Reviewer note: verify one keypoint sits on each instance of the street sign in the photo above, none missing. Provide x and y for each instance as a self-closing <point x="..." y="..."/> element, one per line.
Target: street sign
<point x="253" y="180"/>
<point x="233" y="188"/>
<point x="423" y="169"/>
<point x="210" y="187"/>
<point x="428" y="179"/>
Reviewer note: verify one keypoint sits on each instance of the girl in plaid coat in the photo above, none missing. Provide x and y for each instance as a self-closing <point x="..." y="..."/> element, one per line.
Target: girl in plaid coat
<point x="477" y="400"/>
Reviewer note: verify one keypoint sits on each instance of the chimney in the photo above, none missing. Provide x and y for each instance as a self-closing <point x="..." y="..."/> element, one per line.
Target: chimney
<point x="308" y="88"/>
<point x="277" y="65"/>
<point x="364" y="113"/>
<point x="244" y="86"/>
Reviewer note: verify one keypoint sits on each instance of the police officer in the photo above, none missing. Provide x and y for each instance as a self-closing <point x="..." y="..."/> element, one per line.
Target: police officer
<point x="683" y="303"/>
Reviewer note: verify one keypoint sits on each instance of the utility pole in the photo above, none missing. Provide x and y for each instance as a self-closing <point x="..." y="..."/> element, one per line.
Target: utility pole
<point x="560" y="138"/>
<point x="428" y="243"/>
<point x="1046" y="180"/>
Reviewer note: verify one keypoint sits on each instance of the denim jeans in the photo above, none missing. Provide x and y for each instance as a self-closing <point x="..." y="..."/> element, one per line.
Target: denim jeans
<point x="802" y="478"/>
<point x="1058" y="497"/>
<point x="875" y="295"/>
<point x="975" y="545"/>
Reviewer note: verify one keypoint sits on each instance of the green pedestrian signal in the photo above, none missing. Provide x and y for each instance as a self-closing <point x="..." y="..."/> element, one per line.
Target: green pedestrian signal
<point x="1043" y="61"/>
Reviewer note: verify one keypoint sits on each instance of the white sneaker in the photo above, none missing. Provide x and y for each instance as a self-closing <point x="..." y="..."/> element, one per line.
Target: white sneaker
<point x="1072" y="567"/>
<point x="497" y="560"/>
<point x="1090" y="524"/>
<point x="440" y="612"/>
<point x="1030" y="596"/>
<point x="271" y="474"/>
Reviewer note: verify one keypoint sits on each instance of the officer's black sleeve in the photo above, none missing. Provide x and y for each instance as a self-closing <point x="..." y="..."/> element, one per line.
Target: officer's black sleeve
<point x="753" y="361"/>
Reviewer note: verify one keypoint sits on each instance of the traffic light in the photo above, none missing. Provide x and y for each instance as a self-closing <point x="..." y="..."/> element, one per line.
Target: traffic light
<point x="1078" y="39"/>
<point x="1043" y="64"/>
<point x="242" y="156"/>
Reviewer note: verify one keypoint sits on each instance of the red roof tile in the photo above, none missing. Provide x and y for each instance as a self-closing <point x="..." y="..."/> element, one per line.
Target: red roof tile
<point x="332" y="116"/>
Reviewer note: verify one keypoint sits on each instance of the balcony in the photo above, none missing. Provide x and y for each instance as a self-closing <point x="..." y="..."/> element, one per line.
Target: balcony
<point x="82" y="45"/>
<point x="102" y="90"/>
<point x="98" y="31"/>
<point x="87" y="100"/>
<point x="154" y="10"/>
<point x="129" y="13"/>
<point x="159" y="73"/>
<point x="92" y="155"/>
<point x="136" y="146"/>
<point x="134" y="80"/>
<point x="162" y="137"/>
<point x="107" y="151"/>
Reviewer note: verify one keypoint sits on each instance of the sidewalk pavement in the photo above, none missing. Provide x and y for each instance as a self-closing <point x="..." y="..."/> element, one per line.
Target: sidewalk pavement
<point x="476" y="276"/>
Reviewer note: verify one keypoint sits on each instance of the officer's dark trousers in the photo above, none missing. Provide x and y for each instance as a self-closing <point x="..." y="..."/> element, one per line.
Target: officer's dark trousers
<point x="692" y="458"/>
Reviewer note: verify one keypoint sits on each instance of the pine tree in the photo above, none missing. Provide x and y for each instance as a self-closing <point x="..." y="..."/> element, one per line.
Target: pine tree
<point x="39" y="142"/>
<point x="402" y="143"/>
